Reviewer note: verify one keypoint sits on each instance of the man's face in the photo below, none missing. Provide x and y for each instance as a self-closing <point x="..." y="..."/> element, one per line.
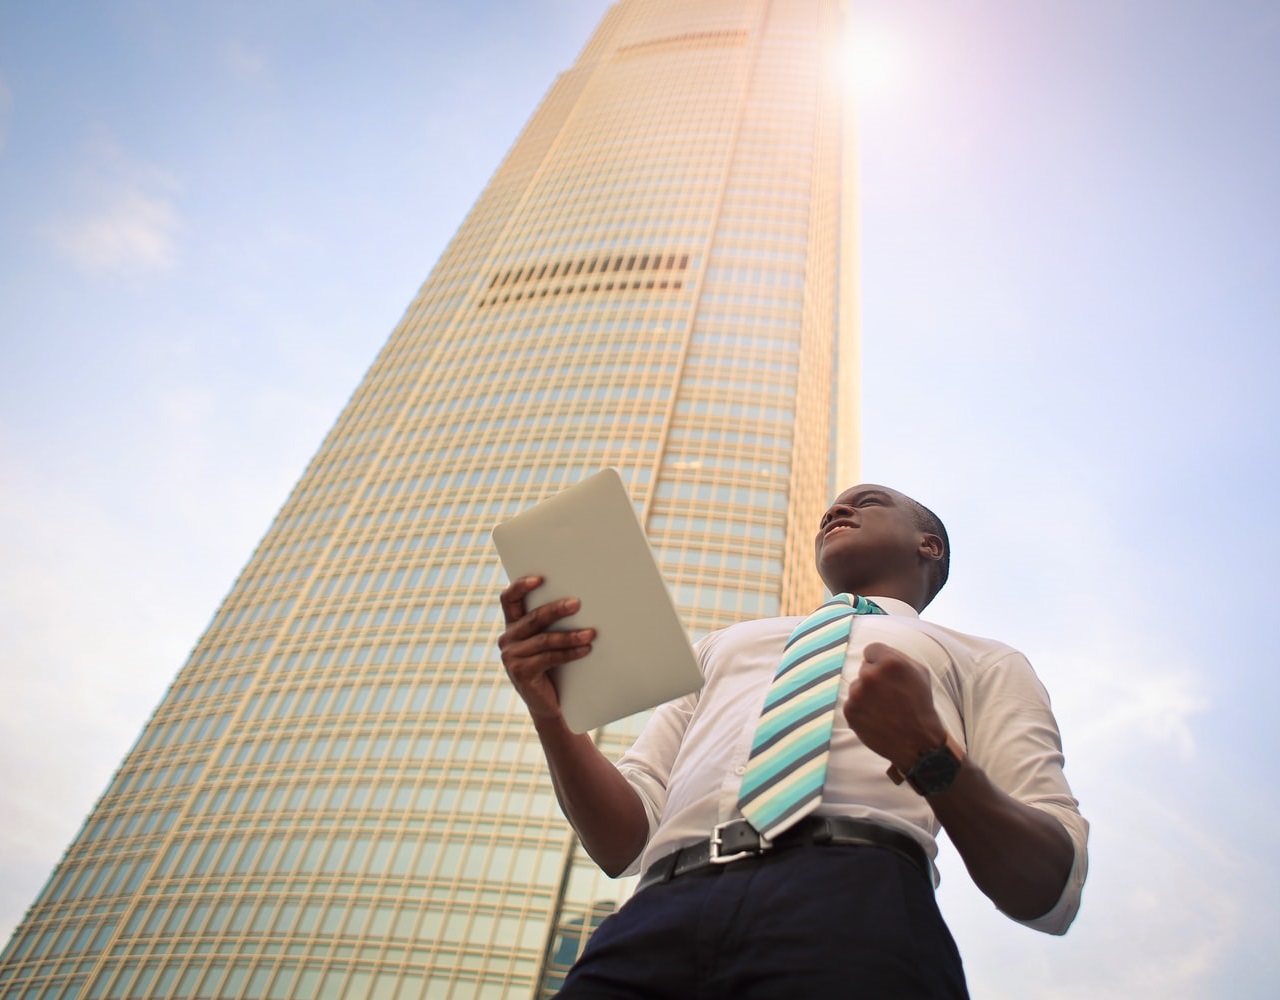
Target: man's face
<point x="867" y="534"/>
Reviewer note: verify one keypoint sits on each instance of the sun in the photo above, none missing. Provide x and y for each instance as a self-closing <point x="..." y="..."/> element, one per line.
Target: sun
<point x="870" y="63"/>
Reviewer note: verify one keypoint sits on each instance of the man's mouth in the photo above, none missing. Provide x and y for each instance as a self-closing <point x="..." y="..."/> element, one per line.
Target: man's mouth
<point x="837" y="526"/>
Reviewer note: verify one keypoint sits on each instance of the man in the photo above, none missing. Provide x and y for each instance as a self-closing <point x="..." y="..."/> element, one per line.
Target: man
<point x="841" y="903"/>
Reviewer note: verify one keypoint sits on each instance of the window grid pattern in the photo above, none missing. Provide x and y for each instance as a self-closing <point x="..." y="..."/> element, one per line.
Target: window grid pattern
<point x="340" y="796"/>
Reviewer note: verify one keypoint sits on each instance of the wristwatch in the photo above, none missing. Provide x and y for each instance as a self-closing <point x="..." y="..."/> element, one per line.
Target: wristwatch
<point x="934" y="770"/>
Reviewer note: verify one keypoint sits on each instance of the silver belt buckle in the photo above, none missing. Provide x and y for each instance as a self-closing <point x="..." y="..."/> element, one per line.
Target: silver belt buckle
<point x="717" y="840"/>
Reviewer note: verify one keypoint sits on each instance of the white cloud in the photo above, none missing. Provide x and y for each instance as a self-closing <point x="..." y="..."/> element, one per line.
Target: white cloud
<point x="113" y="564"/>
<point x="85" y="649"/>
<point x="1077" y="600"/>
<point x="1167" y="907"/>
<point x="1175" y="886"/>
<point x="125" y="221"/>
<point x="245" y="64"/>
<point x="1125" y="702"/>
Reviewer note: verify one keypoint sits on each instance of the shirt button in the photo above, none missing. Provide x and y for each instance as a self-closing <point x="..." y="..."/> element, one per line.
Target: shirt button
<point x="740" y="769"/>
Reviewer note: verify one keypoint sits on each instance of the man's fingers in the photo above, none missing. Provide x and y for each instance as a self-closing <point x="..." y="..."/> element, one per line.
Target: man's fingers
<point x="549" y="641"/>
<point x="539" y="620"/>
<point x="879" y="658"/>
<point x="530" y="659"/>
<point x="886" y="671"/>
<point x="531" y="645"/>
<point x="550" y="649"/>
<point x="512" y="598"/>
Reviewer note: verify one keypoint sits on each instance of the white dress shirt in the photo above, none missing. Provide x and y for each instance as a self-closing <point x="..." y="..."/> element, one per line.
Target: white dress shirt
<point x="688" y="762"/>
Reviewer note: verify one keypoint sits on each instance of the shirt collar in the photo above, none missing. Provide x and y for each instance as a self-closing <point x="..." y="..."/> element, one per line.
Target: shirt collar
<point x="893" y="606"/>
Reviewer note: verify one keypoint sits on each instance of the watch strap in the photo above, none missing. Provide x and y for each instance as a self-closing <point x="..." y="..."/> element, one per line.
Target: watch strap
<point x="949" y="744"/>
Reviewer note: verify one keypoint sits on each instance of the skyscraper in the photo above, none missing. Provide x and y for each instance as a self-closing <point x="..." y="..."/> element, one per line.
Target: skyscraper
<point x="340" y="796"/>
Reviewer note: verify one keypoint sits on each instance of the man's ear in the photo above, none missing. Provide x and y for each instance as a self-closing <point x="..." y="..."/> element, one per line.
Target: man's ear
<point x="930" y="547"/>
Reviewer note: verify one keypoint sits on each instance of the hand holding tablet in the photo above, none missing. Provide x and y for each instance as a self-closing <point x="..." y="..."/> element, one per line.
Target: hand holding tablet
<point x="587" y="544"/>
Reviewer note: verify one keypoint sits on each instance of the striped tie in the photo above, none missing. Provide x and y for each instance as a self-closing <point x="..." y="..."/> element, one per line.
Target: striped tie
<point x="788" y="761"/>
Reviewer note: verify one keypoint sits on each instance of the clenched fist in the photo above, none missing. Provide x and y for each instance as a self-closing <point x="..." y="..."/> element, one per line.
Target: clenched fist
<point x="890" y="706"/>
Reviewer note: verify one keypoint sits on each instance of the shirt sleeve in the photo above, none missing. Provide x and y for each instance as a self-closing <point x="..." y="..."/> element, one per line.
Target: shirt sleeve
<point x="1010" y="732"/>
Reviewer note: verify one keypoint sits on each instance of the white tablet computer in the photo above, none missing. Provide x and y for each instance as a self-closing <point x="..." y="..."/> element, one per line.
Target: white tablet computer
<point x="587" y="542"/>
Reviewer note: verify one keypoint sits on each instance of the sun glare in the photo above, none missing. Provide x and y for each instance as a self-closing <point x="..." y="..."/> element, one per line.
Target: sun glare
<point x="871" y="63"/>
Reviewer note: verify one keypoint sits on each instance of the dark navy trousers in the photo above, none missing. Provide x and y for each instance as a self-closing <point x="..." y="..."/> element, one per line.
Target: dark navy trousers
<point x="799" y="924"/>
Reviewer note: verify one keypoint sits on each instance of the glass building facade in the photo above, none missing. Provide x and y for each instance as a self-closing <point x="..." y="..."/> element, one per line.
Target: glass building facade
<point x="340" y="795"/>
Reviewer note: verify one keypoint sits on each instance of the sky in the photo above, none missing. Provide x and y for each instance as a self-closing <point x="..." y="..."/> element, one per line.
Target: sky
<point x="213" y="214"/>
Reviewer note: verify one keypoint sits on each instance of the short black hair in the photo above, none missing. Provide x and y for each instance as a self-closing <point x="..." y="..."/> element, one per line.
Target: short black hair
<point x="927" y="521"/>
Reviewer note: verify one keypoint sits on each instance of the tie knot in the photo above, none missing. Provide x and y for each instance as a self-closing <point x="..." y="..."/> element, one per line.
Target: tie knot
<point x="860" y="605"/>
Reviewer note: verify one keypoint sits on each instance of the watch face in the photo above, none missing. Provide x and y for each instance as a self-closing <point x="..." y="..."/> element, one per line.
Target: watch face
<point x="934" y="771"/>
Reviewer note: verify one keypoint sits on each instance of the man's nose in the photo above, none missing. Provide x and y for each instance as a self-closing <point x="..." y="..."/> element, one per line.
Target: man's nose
<point x="837" y="510"/>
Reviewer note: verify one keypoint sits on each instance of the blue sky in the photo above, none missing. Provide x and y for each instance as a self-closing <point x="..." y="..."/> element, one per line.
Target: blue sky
<point x="212" y="215"/>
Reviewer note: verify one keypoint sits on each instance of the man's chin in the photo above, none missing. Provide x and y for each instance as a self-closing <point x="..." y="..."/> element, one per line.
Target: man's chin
<point x="837" y="582"/>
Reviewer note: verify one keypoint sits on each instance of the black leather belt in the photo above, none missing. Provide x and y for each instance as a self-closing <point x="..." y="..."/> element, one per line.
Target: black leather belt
<point x="737" y="839"/>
